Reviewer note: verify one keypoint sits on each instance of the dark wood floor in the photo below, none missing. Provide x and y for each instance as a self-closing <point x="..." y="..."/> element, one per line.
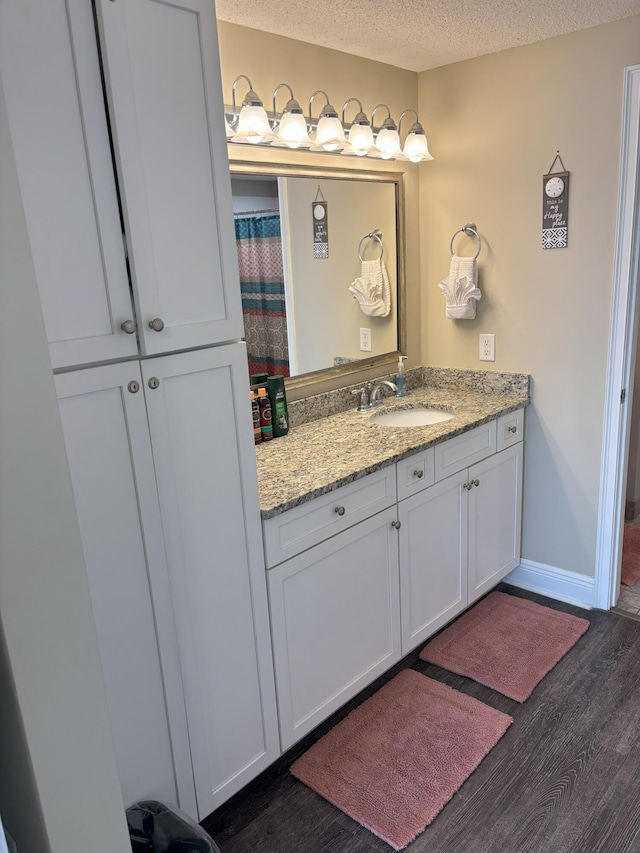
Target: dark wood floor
<point x="565" y="778"/>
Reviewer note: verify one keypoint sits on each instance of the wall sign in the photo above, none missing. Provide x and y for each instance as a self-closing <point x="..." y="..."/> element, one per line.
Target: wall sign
<point x="555" y="207"/>
<point x="320" y="218"/>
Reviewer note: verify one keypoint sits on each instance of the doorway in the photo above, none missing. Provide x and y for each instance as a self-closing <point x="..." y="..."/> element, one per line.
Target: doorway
<point x="622" y="350"/>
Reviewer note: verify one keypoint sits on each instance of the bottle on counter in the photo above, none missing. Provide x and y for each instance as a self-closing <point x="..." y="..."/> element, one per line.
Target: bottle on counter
<point x="401" y="382"/>
<point x="266" y="425"/>
<point x="259" y="378"/>
<point x="255" y="412"/>
<point x="279" y="412"/>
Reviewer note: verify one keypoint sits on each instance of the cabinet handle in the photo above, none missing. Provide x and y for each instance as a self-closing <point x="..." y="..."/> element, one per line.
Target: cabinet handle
<point x="419" y="473"/>
<point x="153" y="383"/>
<point x="466" y="486"/>
<point x="475" y="483"/>
<point x="396" y="524"/>
<point x="133" y="386"/>
<point x="157" y="324"/>
<point x="340" y="510"/>
<point x="129" y="326"/>
<point x="513" y="429"/>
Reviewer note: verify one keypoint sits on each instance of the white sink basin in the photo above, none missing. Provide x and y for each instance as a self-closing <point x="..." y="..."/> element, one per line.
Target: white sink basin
<point x="411" y="417"/>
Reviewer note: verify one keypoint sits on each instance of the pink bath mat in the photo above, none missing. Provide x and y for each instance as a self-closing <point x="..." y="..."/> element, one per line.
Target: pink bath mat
<point x="396" y="760"/>
<point x="630" y="555"/>
<point x="506" y="643"/>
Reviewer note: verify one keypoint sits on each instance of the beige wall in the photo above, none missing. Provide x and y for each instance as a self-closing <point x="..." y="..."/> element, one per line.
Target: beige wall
<point x="494" y="125"/>
<point x="269" y="60"/>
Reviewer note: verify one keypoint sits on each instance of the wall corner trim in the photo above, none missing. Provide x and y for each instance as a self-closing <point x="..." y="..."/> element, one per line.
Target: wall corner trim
<point x="560" y="584"/>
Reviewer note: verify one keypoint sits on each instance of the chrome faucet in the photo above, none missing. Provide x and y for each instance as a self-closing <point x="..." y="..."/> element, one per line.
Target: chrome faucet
<point x="370" y="394"/>
<point x="374" y="398"/>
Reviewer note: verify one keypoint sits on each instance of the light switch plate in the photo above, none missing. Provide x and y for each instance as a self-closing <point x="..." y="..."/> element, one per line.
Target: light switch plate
<point x="487" y="347"/>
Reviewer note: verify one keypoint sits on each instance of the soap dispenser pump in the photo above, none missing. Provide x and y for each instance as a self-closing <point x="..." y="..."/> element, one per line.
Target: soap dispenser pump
<point x="400" y="377"/>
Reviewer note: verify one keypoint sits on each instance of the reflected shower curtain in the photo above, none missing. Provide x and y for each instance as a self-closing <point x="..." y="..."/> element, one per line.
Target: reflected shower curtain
<point x="259" y="248"/>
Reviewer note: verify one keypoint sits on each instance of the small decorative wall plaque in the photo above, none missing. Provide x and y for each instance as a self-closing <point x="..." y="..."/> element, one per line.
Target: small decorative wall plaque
<point x="555" y="207"/>
<point x="320" y="212"/>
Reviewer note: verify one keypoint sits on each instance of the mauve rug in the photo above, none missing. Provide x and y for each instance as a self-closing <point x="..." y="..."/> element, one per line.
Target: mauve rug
<point x="630" y="555"/>
<point x="396" y="760"/>
<point x="506" y="643"/>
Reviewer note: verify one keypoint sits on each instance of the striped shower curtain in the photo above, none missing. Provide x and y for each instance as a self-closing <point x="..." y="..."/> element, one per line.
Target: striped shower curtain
<point x="259" y="248"/>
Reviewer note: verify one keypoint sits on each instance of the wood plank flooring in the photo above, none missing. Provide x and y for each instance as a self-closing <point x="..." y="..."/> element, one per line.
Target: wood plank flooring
<point x="565" y="778"/>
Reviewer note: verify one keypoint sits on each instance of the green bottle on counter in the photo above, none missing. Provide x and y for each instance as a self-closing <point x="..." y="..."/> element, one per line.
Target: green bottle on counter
<point x="279" y="412"/>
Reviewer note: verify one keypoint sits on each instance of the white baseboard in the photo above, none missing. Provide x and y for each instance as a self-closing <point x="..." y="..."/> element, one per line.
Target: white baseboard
<point x="560" y="584"/>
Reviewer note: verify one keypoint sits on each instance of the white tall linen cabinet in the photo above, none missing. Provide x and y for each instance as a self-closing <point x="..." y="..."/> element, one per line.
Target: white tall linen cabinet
<point x="139" y="288"/>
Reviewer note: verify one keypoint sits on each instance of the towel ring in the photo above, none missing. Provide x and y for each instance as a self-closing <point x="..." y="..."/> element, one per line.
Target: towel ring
<point x="469" y="228"/>
<point x="375" y="235"/>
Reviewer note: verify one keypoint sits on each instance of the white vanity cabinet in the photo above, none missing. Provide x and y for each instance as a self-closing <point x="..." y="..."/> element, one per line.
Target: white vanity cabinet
<point x="335" y="610"/>
<point x="350" y="594"/>
<point x="460" y="536"/>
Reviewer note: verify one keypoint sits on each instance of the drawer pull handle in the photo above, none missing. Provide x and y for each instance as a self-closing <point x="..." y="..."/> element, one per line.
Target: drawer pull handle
<point x="475" y="482"/>
<point x="419" y="473"/>
<point x="340" y="510"/>
<point x="513" y="429"/>
<point x="396" y="524"/>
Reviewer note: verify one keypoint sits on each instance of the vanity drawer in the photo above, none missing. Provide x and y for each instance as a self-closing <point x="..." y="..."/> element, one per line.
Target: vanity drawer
<point x="510" y="429"/>
<point x="457" y="453"/>
<point x="299" y="528"/>
<point x="416" y="473"/>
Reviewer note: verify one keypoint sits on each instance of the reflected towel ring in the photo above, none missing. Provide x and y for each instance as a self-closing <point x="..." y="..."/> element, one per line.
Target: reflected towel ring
<point x="469" y="228"/>
<point x="375" y="235"/>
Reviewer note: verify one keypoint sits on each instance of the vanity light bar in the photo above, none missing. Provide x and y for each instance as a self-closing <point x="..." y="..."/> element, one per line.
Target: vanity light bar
<point x="252" y="124"/>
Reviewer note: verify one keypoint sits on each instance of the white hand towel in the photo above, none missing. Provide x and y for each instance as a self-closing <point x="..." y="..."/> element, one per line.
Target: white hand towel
<point x="461" y="288"/>
<point x="372" y="289"/>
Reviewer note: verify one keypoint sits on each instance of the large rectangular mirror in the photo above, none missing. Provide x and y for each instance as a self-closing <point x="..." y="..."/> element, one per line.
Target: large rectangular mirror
<point x="321" y="258"/>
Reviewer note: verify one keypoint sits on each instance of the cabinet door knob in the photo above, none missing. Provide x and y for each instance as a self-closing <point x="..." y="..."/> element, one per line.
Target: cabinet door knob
<point x="513" y="429"/>
<point x="396" y="524"/>
<point x="156" y="324"/>
<point x="153" y="383"/>
<point x="129" y="326"/>
<point x="419" y="473"/>
<point x="340" y="510"/>
<point x="133" y="386"/>
<point x="475" y="482"/>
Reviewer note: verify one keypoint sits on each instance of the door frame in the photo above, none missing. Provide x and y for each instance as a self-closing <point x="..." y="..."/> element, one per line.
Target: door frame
<point x="622" y="348"/>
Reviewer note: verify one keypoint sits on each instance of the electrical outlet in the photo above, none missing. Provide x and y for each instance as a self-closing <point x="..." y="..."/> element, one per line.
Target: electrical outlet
<point x="365" y="340"/>
<point x="487" y="347"/>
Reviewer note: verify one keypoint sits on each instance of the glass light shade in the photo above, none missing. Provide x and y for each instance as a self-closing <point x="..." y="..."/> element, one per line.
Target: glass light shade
<point x="388" y="143"/>
<point x="293" y="130"/>
<point x="416" y="148"/>
<point x="227" y="128"/>
<point x="253" y="125"/>
<point x="330" y="133"/>
<point x="361" y="139"/>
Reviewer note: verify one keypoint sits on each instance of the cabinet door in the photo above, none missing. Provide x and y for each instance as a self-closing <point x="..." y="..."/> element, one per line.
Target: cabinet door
<point x="107" y="439"/>
<point x="495" y="524"/>
<point x="335" y="621"/>
<point x="202" y="440"/>
<point x="433" y="558"/>
<point x="51" y="79"/>
<point x="165" y="99"/>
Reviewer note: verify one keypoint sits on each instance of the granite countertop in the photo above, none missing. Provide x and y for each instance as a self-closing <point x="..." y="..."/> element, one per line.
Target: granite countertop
<point x="323" y="454"/>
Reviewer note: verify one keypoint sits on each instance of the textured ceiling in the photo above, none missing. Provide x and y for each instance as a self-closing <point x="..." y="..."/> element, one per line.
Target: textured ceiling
<point x="422" y="34"/>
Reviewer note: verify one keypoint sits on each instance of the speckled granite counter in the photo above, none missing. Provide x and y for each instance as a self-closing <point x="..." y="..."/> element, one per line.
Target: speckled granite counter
<point x="320" y="455"/>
